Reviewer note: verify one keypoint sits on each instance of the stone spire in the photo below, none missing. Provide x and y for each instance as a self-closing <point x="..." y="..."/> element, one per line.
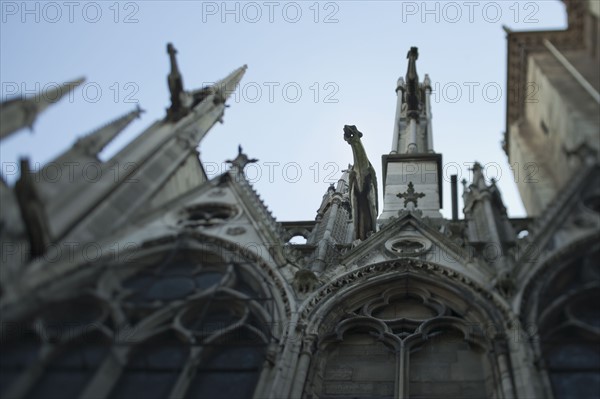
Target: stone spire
<point x="22" y="112"/>
<point x="488" y="227"/>
<point x="65" y="171"/>
<point x="412" y="170"/>
<point x="95" y="142"/>
<point x="412" y="124"/>
<point x="160" y="164"/>
<point x="333" y="217"/>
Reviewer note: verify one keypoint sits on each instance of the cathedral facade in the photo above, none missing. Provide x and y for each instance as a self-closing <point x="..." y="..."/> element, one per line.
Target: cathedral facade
<point x="158" y="282"/>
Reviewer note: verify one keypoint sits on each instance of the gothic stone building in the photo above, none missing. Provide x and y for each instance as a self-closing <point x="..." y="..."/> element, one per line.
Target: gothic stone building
<point x="199" y="294"/>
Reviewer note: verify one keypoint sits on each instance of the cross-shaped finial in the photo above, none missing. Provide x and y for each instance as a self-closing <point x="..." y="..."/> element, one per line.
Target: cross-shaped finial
<point x="410" y="195"/>
<point x="241" y="160"/>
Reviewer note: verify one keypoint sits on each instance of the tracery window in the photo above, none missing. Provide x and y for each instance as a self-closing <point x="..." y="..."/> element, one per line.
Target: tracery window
<point x="55" y="353"/>
<point x="153" y="368"/>
<point x="72" y="368"/>
<point x="405" y="342"/>
<point x="448" y="366"/>
<point x="177" y="322"/>
<point x="569" y="327"/>
<point x="20" y="348"/>
<point x="231" y="367"/>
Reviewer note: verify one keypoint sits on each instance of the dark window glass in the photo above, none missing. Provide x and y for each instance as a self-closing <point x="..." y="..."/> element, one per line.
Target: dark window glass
<point x="573" y="359"/>
<point x="153" y="369"/>
<point x="170" y="288"/>
<point x="575" y="385"/>
<point x="67" y="374"/>
<point x="587" y="308"/>
<point x="18" y="350"/>
<point x="66" y="320"/>
<point x="179" y="267"/>
<point x="229" y="369"/>
<point x="225" y="385"/>
<point x="574" y="355"/>
<point x="173" y="279"/>
<point x="208" y="279"/>
<point x="570" y="347"/>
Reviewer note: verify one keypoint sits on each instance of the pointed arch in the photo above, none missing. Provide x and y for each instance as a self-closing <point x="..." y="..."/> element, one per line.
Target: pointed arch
<point x="431" y="318"/>
<point x="171" y="311"/>
<point x="559" y="307"/>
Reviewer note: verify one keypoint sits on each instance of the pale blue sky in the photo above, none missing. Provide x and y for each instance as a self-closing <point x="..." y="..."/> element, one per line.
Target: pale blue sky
<point x="345" y="59"/>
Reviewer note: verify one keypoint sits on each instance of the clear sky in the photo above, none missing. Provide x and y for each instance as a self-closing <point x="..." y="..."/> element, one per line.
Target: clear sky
<point x="312" y="68"/>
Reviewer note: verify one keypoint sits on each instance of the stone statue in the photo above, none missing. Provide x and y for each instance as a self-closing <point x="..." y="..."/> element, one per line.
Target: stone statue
<point x="363" y="187"/>
<point x="412" y="92"/>
<point x="177" y="110"/>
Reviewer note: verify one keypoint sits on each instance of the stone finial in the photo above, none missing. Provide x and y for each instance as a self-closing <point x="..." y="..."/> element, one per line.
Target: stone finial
<point x="400" y="85"/>
<point x="412" y="96"/>
<point x="427" y="82"/>
<point x="241" y="160"/>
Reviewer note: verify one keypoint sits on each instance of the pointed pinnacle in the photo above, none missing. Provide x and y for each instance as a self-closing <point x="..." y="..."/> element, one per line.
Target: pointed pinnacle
<point x="224" y="88"/>
<point x="427" y="82"/>
<point x="21" y="112"/>
<point x="53" y="96"/>
<point x="400" y="85"/>
<point x="95" y="141"/>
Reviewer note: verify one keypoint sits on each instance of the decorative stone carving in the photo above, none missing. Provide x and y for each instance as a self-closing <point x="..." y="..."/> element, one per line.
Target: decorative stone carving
<point x="241" y="160"/>
<point x="305" y="281"/>
<point x="410" y="195"/>
<point x="206" y="215"/>
<point x="408" y="246"/>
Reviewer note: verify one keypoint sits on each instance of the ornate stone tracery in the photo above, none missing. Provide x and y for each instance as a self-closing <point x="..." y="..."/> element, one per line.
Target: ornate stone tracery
<point x="560" y="307"/>
<point x="179" y="316"/>
<point x="407" y="328"/>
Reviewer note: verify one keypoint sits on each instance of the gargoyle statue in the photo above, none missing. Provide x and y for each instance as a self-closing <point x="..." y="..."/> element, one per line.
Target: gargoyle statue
<point x="178" y="109"/>
<point x="182" y="102"/>
<point x="363" y="187"/>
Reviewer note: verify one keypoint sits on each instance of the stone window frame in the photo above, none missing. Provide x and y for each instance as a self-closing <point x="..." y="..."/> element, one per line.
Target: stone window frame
<point x="470" y="324"/>
<point x="546" y="313"/>
<point x="162" y="317"/>
<point x="57" y="338"/>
